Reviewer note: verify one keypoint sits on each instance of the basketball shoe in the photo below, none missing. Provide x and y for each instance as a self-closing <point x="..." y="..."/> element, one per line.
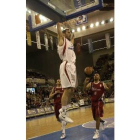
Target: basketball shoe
<point x="63" y="136"/>
<point x="64" y="117"/>
<point x="96" y="135"/>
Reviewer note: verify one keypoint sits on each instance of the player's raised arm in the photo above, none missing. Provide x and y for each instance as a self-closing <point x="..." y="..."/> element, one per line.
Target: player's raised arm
<point x="72" y="38"/>
<point x="87" y="85"/>
<point x="60" y="34"/>
<point x="67" y="25"/>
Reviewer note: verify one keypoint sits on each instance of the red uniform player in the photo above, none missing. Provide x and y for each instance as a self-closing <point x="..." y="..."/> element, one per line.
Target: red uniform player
<point x="56" y="94"/>
<point x="96" y="89"/>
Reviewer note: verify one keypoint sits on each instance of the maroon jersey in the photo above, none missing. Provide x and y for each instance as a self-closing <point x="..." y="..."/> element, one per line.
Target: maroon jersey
<point x="57" y="97"/>
<point x="97" y="90"/>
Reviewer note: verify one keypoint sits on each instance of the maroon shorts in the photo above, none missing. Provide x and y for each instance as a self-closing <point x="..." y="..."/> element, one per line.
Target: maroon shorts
<point x="56" y="110"/>
<point x="97" y="109"/>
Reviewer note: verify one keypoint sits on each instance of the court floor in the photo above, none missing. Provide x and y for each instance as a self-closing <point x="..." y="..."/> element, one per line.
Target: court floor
<point x="47" y="128"/>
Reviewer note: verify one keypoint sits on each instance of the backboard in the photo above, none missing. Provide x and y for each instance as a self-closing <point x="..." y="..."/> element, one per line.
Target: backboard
<point x="53" y="11"/>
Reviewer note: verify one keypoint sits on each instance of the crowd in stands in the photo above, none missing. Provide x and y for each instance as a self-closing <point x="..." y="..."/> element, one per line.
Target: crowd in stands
<point x="108" y="72"/>
<point x="101" y="62"/>
<point x="109" y="69"/>
<point x="32" y="73"/>
<point x="40" y="98"/>
<point x="105" y="66"/>
<point x="32" y="84"/>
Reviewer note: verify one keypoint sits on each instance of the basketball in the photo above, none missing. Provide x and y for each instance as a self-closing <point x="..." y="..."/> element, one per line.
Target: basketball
<point x="88" y="70"/>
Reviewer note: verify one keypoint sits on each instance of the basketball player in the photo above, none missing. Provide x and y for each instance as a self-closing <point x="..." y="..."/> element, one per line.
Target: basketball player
<point x="96" y="90"/>
<point x="67" y="68"/>
<point x="56" y="94"/>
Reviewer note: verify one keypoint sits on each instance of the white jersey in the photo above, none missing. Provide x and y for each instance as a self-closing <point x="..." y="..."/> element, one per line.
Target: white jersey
<point x="67" y="68"/>
<point x="66" y="51"/>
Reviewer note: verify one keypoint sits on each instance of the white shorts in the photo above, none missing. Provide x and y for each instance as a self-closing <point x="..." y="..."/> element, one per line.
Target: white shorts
<point x="68" y="75"/>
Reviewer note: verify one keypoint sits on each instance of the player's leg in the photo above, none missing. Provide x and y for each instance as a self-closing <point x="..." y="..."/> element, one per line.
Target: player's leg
<point x="63" y="124"/>
<point x="97" y="119"/>
<point x="103" y="122"/>
<point x="66" y="96"/>
<point x="63" y="130"/>
<point x="96" y="134"/>
<point x="56" y="110"/>
<point x="65" y="99"/>
<point x="70" y="96"/>
<point x="97" y="123"/>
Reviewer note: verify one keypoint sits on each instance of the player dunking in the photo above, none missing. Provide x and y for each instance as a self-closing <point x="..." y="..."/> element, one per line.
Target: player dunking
<point x="67" y="69"/>
<point x="96" y="90"/>
<point x="56" y="94"/>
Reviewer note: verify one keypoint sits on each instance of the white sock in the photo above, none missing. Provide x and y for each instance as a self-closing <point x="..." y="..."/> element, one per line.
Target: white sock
<point x="97" y="130"/>
<point x="67" y="106"/>
<point x="64" y="109"/>
<point x="63" y="127"/>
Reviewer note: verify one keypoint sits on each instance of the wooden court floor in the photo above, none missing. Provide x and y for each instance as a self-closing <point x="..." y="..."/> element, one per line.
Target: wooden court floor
<point x="48" y="124"/>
